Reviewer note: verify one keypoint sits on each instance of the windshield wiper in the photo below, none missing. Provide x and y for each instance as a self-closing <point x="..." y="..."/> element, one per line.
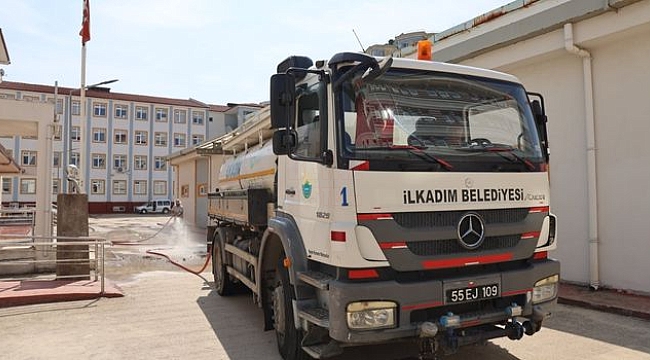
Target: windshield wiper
<point x="499" y="149"/>
<point x="414" y="150"/>
<point x="418" y="151"/>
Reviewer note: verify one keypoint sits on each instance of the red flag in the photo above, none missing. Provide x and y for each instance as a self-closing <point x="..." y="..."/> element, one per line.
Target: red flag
<point x="85" y="23"/>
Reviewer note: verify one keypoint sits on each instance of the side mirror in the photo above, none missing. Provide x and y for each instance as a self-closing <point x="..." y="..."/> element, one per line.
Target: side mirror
<point x="538" y="112"/>
<point x="284" y="141"/>
<point x="283" y="94"/>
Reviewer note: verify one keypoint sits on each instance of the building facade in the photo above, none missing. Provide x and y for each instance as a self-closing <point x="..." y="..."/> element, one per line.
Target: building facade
<point x="127" y="139"/>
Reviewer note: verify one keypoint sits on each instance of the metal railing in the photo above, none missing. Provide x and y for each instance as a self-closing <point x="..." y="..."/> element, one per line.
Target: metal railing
<point x="37" y="251"/>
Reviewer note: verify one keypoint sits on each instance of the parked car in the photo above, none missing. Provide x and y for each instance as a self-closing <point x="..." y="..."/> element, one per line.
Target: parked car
<point x="162" y="206"/>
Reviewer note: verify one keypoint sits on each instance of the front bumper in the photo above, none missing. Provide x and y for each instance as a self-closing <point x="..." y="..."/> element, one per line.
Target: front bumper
<point x="425" y="301"/>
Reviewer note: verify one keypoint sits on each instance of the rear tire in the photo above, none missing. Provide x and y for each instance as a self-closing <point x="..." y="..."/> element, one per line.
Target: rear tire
<point x="143" y="211"/>
<point x="165" y="211"/>
<point x="222" y="282"/>
<point x="288" y="337"/>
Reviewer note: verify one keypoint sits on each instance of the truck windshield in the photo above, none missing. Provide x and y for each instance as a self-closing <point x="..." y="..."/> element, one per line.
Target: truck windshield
<point x="459" y="123"/>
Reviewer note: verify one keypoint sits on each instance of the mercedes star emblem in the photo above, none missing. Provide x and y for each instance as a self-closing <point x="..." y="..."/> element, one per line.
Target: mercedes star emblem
<point x="471" y="231"/>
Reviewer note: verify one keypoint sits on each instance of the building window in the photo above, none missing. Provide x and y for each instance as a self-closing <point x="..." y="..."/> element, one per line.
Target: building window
<point x="57" y="132"/>
<point x="76" y="133"/>
<point x="119" y="187"/>
<point x="29" y="158"/>
<point x="56" y="159"/>
<point x="119" y="162"/>
<point x="97" y="186"/>
<point x="197" y="118"/>
<point x="197" y="139"/>
<point x="140" y="162"/>
<point x="99" y="109"/>
<point x="180" y="116"/>
<point x="140" y="187"/>
<point x="76" y="108"/>
<point x="7" y="185"/>
<point x="179" y="140"/>
<point x="160" y="139"/>
<point x="28" y="186"/>
<point x="121" y="111"/>
<point x="160" y="187"/>
<point x="121" y="137"/>
<point x="140" y="113"/>
<point x="161" y="114"/>
<point x="99" y="135"/>
<point x="141" y="137"/>
<point x="56" y="185"/>
<point x="160" y="163"/>
<point x="74" y="159"/>
<point x="99" y="161"/>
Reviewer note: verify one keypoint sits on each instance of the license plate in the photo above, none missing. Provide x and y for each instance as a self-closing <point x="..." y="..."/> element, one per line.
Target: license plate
<point x="473" y="293"/>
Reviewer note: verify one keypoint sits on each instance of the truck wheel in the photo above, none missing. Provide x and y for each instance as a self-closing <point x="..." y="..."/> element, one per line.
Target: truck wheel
<point x="222" y="282"/>
<point x="288" y="337"/>
<point x="165" y="211"/>
<point x="143" y="211"/>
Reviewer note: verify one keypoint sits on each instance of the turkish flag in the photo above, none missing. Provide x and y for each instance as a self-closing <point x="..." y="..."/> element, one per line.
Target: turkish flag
<point x="85" y="23"/>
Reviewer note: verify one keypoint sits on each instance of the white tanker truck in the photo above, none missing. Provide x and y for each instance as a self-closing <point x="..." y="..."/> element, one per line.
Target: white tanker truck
<point x="398" y="200"/>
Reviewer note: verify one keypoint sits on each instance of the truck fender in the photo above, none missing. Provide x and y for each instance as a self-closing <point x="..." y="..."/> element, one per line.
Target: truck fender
<point x="281" y="235"/>
<point x="283" y="228"/>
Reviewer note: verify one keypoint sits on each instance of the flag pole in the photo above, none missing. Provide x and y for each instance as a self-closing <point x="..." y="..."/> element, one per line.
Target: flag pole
<point x="85" y="37"/>
<point x="82" y="124"/>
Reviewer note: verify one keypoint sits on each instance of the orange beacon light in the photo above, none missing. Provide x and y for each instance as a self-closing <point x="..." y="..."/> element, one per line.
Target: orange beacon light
<point x="425" y="50"/>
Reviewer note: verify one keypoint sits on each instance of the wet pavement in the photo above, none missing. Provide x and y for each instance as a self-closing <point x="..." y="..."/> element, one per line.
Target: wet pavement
<point x="133" y="237"/>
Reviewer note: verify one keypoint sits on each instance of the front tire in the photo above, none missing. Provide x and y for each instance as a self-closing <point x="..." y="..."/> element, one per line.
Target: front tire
<point x="222" y="282"/>
<point x="143" y="211"/>
<point x="288" y="337"/>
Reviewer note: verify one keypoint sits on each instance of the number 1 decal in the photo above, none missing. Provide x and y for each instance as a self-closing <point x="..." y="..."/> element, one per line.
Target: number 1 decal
<point x="344" y="196"/>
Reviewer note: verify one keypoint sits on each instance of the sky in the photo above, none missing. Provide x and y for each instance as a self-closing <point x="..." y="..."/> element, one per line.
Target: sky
<point x="214" y="51"/>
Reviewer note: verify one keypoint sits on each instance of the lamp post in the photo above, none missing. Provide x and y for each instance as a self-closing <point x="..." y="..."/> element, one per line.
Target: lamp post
<point x="82" y="129"/>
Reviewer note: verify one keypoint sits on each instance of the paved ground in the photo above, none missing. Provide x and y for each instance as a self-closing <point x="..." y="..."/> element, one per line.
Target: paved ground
<point x="170" y="314"/>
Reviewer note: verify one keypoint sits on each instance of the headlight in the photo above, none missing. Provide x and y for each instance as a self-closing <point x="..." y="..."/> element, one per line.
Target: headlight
<point x="371" y="315"/>
<point x="545" y="289"/>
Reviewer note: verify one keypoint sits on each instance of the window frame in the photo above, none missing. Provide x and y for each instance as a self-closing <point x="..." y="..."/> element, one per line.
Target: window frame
<point x="178" y="136"/>
<point x="24" y="182"/>
<point x="98" y="161"/>
<point x="121" y="111"/>
<point x="141" y="113"/>
<point x="140" y="162"/>
<point x="121" y="133"/>
<point x="100" y="109"/>
<point x="101" y="132"/>
<point x="140" y="137"/>
<point x="139" y="187"/>
<point x="160" y="135"/>
<point x="120" y="190"/>
<point x="160" y="184"/>
<point x="101" y="183"/>
<point x="32" y="158"/>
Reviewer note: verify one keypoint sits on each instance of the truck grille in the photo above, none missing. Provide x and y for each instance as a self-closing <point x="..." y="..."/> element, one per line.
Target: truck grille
<point x="451" y="218"/>
<point x="451" y="246"/>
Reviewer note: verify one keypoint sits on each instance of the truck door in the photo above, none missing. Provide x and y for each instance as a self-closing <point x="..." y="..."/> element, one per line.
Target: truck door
<point x="306" y="189"/>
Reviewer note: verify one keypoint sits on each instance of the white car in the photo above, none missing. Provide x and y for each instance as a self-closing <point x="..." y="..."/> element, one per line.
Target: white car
<point x="163" y="206"/>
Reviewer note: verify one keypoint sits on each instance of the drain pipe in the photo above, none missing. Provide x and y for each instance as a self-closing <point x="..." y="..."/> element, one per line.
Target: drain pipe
<point x="569" y="45"/>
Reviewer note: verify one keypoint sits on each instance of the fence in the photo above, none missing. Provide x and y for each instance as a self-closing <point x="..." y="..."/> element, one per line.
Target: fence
<point x="29" y="250"/>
